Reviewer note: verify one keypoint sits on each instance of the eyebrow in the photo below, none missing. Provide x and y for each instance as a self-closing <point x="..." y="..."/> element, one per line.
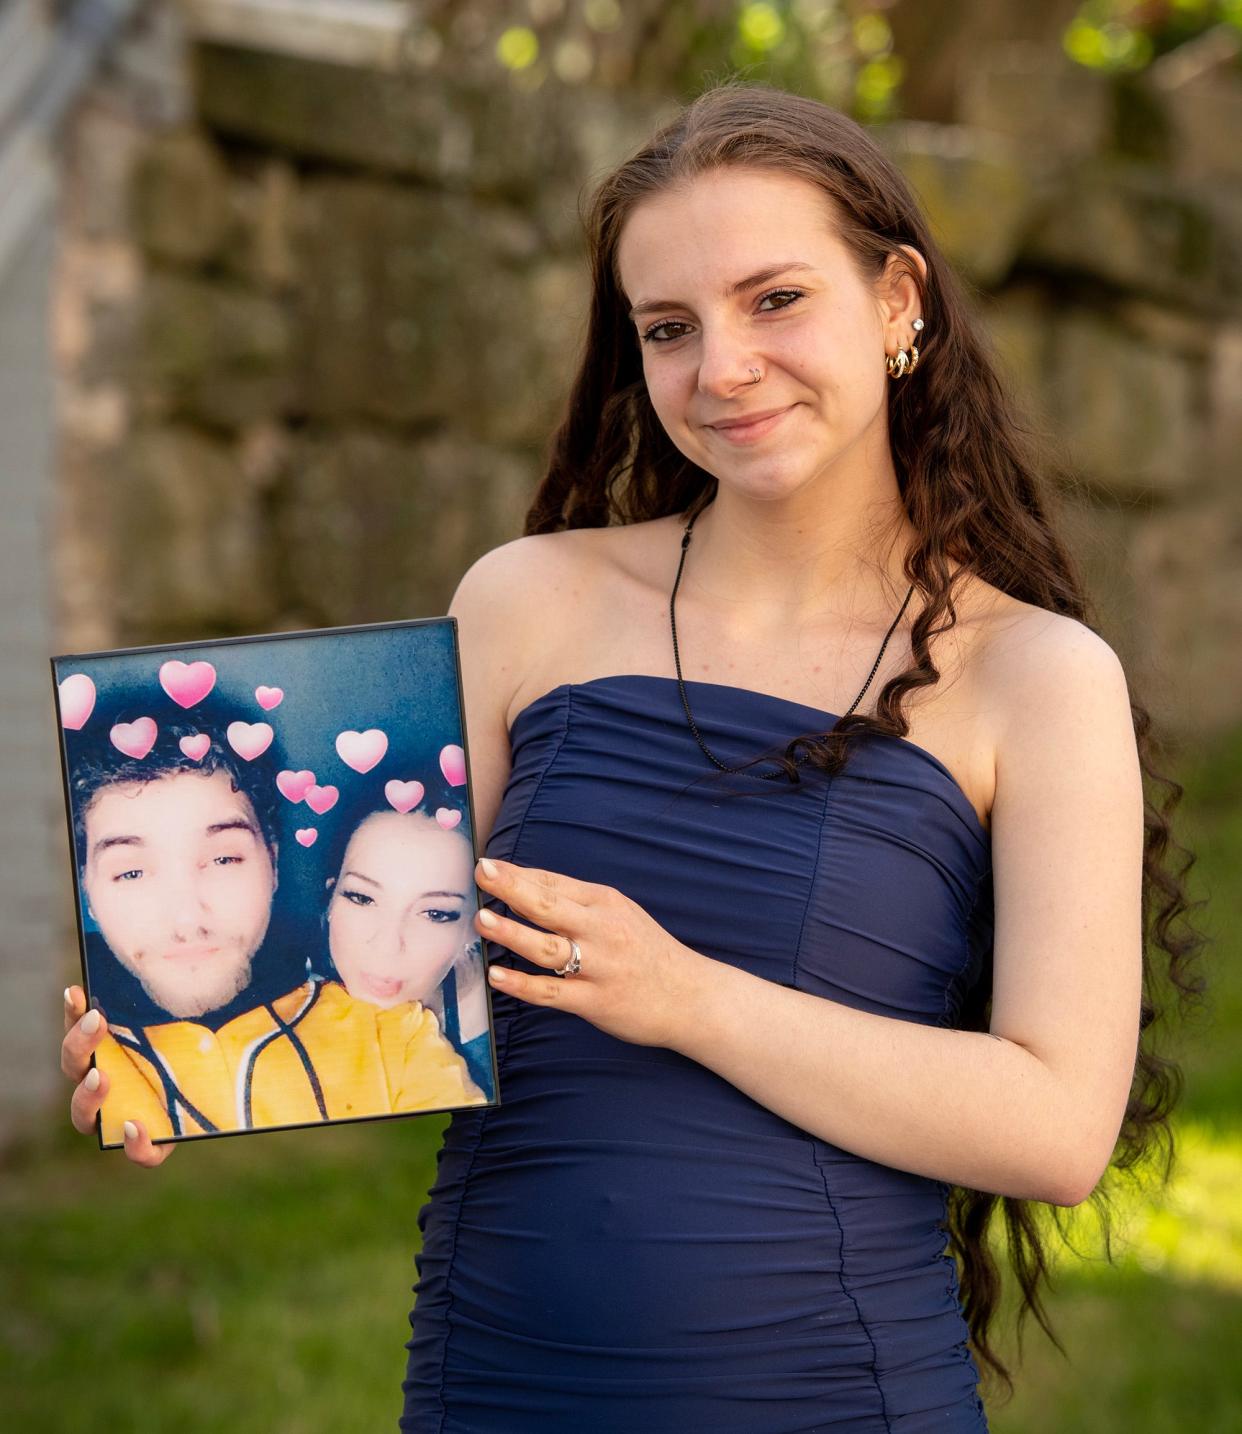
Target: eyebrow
<point x="357" y="875"/>
<point x="650" y="305"/>
<point x="234" y="824"/>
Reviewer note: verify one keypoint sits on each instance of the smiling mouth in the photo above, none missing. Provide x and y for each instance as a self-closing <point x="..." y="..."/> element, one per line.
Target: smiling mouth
<point x="742" y="432"/>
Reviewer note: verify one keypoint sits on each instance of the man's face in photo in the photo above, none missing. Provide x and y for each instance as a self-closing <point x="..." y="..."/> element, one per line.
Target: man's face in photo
<point x="180" y="880"/>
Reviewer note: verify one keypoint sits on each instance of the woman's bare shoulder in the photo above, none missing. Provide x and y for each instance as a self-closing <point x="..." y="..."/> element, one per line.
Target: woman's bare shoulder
<point x="501" y="608"/>
<point x="1032" y="657"/>
<point x="501" y="605"/>
<point x="1020" y="638"/>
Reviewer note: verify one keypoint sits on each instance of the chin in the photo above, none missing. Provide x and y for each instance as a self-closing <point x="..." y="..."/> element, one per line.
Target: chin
<point x="387" y="1003"/>
<point x="200" y="1000"/>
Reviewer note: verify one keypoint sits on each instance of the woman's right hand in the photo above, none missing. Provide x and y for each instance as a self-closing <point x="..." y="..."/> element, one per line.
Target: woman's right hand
<point x="75" y="1061"/>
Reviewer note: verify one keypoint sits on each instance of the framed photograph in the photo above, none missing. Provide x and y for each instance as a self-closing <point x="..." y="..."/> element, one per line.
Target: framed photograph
<point x="273" y="865"/>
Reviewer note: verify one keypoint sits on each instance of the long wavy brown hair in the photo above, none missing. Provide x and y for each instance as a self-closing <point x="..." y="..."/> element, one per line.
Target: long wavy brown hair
<point x="974" y="475"/>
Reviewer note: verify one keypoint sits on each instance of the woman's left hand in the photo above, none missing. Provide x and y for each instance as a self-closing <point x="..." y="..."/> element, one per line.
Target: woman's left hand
<point x="636" y="981"/>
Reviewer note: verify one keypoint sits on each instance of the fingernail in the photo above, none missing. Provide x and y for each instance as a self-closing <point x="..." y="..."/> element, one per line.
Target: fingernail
<point x="489" y="867"/>
<point x="92" y="1078"/>
<point x="131" y="1130"/>
<point x="68" y="999"/>
<point x="487" y="918"/>
<point x="90" y="1023"/>
<point x="498" y="974"/>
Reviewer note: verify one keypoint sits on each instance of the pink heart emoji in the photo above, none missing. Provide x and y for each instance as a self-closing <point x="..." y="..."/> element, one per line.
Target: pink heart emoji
<point x="196" y="747"/>
<point x="453" y="765"/>
<point x="77" y="701"/>
<point x="249" y="739"/>
<point x="268" y="697"/>
<point x="447" y="818"/>
<point x="294" y="784"/>
<point x="135" y="738"/>
<point x="321" y="799"/>
<point x="404" y="796"/>
<point x="187" y="683"/>
<point x="362" y="750"/>
<point x="306" y="835"/>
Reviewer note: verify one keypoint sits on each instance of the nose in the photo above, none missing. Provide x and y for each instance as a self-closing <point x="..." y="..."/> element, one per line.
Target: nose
<point x="187" y="907"/>
<point x="726" y="357"/>
<point x="396" y="938"/>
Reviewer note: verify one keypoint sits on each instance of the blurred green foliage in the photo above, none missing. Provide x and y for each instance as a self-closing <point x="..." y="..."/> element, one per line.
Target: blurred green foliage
<point x="841" y="51"/>
<point x="1127" y="35"/>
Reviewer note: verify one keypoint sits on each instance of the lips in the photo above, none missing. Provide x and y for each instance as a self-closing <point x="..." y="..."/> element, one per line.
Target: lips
<point x="746" y="418"/>
<point x="382" y="988"/>
<point x="190" y="953"/>
<point x="749" y="428"/>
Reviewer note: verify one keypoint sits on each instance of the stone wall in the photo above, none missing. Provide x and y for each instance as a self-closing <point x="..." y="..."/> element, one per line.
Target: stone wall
<point x="347" y="304"/>
<point x="1100" y="224"/>
<point x="355" y="307"/>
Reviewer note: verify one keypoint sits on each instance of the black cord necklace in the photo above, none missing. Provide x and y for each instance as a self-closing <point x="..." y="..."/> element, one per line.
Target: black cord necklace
<point x="762" y="776"/>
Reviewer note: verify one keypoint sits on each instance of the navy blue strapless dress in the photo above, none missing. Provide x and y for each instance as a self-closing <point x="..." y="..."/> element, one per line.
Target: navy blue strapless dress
<point x="628" y="1242"/>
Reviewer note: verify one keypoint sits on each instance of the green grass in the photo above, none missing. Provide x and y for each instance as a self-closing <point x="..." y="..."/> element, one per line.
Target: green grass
<point x="263" y="1285"/>
<point x="245" y="1285"/>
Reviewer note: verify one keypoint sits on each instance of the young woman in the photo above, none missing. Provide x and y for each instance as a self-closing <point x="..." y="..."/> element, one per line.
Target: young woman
<point x="399" y="921"/>
<point x="819" y="834"/>
<point x="359" y="1037"/>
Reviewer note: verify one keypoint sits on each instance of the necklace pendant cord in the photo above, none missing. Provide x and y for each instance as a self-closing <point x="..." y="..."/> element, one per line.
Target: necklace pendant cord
<point x="685" y="701"/>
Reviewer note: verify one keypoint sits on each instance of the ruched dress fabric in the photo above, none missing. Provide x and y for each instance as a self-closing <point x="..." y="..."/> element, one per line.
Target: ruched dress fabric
<point x="629" y="1244"/>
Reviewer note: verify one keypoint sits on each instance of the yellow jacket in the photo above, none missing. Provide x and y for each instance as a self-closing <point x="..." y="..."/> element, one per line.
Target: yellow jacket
<point x="317" y="1053"/>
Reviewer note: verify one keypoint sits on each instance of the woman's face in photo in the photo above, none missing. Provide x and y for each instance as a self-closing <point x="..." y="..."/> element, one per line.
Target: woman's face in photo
<point x="400" y="910"/>
<point x="816" y="333"/>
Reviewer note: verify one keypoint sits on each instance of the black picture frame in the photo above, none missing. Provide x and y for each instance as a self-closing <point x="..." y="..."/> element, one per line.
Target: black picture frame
<point x="360" y="1045"/>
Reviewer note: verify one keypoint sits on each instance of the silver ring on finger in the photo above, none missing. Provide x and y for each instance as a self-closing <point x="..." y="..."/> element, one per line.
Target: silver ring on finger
<point x="574" y="964"/>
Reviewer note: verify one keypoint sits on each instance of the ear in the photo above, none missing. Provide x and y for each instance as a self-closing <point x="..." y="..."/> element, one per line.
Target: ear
<point x="898" y="294"/>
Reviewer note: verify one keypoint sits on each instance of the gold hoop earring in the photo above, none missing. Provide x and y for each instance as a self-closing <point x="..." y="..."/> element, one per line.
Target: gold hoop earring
<point x="901" y="364"/>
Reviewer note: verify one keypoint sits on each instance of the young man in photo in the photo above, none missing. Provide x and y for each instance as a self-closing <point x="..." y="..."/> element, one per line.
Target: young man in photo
<point x="177" y="861"/>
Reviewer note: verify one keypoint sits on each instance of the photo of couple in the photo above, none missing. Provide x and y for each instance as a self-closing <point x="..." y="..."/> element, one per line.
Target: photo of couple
<point x="274" y="862"/>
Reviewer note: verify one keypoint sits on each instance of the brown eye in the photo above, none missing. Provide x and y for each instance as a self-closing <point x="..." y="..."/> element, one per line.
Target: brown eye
<point x="791" y="295"/>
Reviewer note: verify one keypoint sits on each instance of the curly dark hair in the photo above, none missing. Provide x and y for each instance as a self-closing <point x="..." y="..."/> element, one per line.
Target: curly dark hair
<point x="971" y="471"/>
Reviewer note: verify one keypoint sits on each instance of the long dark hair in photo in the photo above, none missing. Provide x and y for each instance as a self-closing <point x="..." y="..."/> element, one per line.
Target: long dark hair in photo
<point x="973" y="473"/>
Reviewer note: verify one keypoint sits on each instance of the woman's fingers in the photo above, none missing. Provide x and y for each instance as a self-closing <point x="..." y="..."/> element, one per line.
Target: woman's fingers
<point x="87" y="1097"/>
<point x="82" y="1035"/>
<point x="139" y="1149"/>
<point x="554" y="901"/>
<point x="75" y="1005"/>
<point x="544" y="948"/>
<point x="83" y="1031"/>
